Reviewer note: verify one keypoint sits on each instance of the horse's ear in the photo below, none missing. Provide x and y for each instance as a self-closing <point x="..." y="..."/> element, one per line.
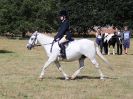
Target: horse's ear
<point x="28" y="33"/>
<point x="35" y="31"/>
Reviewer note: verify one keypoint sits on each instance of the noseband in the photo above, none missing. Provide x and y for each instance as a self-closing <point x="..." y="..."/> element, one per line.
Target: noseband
<point x="33" y="43"/>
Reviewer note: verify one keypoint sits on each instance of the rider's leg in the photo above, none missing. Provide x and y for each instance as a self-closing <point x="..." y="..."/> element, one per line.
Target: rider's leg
<point x="63" y="52"/>
<point x="63" y="40"/>
<point x="62" y="46"/>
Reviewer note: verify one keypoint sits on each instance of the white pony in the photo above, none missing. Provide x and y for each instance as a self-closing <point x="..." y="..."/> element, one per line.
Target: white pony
<point x="76" y="50"/>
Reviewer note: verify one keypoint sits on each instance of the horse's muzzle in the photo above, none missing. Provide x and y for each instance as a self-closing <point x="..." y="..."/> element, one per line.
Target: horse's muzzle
<point x="29" y="46"/>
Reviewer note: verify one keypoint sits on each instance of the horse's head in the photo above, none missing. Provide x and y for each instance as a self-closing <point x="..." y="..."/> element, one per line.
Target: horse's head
<point x="32" y="41"/>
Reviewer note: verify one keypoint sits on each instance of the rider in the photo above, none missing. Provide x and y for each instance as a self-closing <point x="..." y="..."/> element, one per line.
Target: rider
<point x="63" y="35"/>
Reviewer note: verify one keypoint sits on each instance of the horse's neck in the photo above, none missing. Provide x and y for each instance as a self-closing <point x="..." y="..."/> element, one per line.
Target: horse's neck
<point x="45" y="41"/>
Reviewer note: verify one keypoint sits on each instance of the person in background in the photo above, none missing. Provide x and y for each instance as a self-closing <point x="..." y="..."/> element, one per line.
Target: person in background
<point x="126" y="39"/>
<point x="119" y="41"/>
<point x="99" y="39"/>
<point x="104" y="44"/>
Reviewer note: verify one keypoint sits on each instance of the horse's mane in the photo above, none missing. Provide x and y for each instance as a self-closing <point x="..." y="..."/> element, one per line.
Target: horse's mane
<point x="51" y="37"/>
<point x="47" y="36"/>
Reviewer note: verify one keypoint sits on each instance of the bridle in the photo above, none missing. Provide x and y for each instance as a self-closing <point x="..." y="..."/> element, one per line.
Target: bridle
<point x="33" y="43"/>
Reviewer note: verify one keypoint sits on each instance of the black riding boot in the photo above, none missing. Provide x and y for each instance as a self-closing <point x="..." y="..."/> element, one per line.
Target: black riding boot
<point x="62" y="51"/>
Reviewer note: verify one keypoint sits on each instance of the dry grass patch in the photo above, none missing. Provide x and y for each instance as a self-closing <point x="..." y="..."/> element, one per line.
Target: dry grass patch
<point x="20" y="68"/>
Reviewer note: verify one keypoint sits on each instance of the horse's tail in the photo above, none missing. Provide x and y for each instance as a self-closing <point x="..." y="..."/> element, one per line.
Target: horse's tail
<point x="102" y="57"/>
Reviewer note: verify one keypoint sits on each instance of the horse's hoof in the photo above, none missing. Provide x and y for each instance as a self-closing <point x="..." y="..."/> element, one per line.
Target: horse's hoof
<point x="72" y="78"/>
<point x="102" y="78"/>
<point x="67" y="78"/>
<point x="40" y="79"/>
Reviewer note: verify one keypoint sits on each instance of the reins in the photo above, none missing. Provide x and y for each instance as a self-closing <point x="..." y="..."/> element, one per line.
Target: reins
<point x="43" y="44"/>
<point x="47" y="44"/>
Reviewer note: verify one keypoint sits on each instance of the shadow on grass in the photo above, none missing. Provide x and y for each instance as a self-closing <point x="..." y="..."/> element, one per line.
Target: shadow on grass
<point x="5" y="51"/>
<point x="85" y="77"/>
<point x="129" y="54"/>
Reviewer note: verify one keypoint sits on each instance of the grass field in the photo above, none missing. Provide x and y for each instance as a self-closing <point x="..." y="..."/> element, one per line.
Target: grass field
<point x="20" y="69"/>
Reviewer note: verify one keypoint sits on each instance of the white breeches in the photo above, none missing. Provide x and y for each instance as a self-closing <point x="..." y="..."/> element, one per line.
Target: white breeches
<point x="63" y="40"/>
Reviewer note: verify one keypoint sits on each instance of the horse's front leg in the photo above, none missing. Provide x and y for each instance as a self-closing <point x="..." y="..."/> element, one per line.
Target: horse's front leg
<point x="50" y="60"/>
<point x="61" y="70"/>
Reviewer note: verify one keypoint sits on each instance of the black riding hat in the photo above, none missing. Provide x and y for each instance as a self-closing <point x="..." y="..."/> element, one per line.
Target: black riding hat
<point x="63" y="13"/>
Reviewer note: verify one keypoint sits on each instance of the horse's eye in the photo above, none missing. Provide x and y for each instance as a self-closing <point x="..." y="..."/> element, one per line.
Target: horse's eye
<point x="32" y="38"/>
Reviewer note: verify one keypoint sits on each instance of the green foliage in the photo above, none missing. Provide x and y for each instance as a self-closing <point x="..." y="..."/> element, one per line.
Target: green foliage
<point x="87" y="13"/>
<point x="19" y="16"/>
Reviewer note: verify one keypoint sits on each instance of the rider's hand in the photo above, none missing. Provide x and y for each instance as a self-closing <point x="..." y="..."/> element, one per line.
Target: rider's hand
<point x="56" y="39"/>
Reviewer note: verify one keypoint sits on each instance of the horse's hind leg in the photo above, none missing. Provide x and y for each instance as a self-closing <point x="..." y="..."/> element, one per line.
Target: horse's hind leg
<point x="97" y="66"/>
<point x="81" y="65"/>
<point x="61" y="70"/>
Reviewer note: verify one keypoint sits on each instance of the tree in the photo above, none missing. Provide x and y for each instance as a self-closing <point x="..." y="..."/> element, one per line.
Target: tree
<point x="20" y="16"/>
<point x="87" y="13"/>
